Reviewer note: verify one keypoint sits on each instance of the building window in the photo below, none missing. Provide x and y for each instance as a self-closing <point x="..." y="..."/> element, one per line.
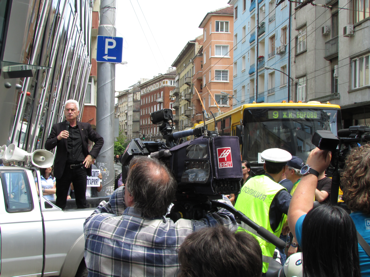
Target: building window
<point x="222" y="75"/>
<point x="360" y="10"/>
<point x="222" y="26"/>
<point x="271" y="83"/>
<point x="272" y="46"/>
<point x="244" y="4"/>
<point x="222" y="50"/>
<point x="301" y="41"/>
<point x="210" y="52"/>
<point x="204" y="79"/>
<point x="244" y="33"/>
<point x="204" y="57"/>
<point x="205" y="34"/>
<point x="243" y="63"/>
<point x="236" y="13"/>
<point x="283" y="77"/>
<point x="210" y="28"/>
<point x="222" y="99"/>
<point x="235" y="69"/>
<point x="243" y="94"/>
<point x="301" y="89"/>
<point x="360" y="71"/>
<point x="210" y="76"/>
<point x="283" y="4"/>
<point x="283" y="38"/>
<point x="88" y="94"/>
<point x="235" y="41"/>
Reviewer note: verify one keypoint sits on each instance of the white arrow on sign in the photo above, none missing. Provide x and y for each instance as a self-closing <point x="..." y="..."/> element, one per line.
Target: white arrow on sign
<point x="106" y="57"/>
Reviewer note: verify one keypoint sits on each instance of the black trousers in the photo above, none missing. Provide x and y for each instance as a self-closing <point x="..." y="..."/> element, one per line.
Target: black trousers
<point x="77" y="176"/>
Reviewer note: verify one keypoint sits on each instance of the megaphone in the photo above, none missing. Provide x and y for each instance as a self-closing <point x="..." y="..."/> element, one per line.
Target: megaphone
<point x="2" y="151"/>
<point x="40" y="158"/>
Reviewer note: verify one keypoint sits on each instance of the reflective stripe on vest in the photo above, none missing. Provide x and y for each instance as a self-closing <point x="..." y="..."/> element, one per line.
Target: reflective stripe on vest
<point x="294" y="187"/>
<point x="254" y="201"/>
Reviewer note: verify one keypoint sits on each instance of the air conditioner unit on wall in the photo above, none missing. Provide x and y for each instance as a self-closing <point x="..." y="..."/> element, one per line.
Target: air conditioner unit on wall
<point x="348" y="31"/>
<point x="325" y="30"/>
<point x="280" y="49"/>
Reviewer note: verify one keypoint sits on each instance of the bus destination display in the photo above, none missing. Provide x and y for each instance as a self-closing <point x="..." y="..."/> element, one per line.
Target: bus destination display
<point x="291" y="114"/>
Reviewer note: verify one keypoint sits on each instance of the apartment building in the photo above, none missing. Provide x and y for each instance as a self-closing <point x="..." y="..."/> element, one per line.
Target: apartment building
<point x="261" y="60"/>
<point x="155" y="96"/>
<point x="217" y="71"/>
<point x="183" y="91"/>
<point x="331" y="56"/>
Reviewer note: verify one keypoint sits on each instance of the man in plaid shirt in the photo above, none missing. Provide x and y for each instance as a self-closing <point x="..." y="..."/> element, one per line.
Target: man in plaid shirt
<point x="130" y="236"/>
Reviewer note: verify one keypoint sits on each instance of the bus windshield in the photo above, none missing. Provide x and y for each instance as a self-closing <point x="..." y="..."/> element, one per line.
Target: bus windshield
<point x="289" y="129"/>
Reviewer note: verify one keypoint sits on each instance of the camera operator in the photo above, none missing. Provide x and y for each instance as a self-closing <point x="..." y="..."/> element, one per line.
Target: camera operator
<point x="129" y="235"/>
<point x="355" y="182"/>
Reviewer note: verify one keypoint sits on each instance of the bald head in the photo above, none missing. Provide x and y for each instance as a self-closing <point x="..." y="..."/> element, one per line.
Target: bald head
<point x="151" y="185"/>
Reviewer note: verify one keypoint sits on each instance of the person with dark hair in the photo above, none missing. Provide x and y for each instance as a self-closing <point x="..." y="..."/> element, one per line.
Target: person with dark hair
<point x="246" y="168"/>
<point x="355" y="183"/>
<point x="48" y="183"/>
<point x="130" y="235"/>
<point x="216" y="251"/>
<point x="265" y="201"/>
<point x="326" y="234"/>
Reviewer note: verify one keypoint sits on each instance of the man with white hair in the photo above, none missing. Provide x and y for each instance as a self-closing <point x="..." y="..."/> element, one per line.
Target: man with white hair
<point x="73" y="160"/>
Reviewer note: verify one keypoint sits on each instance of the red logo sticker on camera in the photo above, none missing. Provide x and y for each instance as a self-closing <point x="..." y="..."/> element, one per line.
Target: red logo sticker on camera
<point x="224" y="157"/>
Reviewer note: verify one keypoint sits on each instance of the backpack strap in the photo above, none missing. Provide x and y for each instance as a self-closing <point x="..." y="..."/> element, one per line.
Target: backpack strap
<point x="363" y="244"/>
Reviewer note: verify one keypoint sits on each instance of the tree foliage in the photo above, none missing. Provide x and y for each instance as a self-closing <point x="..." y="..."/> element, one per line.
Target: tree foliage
<point x="120" y="144"/>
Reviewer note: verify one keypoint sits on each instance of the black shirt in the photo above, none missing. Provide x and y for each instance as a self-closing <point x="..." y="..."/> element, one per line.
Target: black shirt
<point x="74" y="146"/>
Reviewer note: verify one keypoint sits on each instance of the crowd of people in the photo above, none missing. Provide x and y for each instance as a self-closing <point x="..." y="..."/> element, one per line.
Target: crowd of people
<point x="130" y="234"/>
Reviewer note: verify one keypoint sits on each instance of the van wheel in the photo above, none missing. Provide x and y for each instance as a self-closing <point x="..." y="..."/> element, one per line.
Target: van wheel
<point x="82" y="270"/>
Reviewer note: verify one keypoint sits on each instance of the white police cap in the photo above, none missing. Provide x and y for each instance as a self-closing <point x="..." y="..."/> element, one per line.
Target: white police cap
<point x="276" y="155"/>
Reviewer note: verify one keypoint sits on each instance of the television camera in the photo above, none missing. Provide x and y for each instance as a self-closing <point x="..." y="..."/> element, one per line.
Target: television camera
<point x="340" y="146"/>
<point x="205" y="168"/>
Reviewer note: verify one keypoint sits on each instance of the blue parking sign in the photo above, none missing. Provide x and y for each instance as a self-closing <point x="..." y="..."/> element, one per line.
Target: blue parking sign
<point x="109" y="49"/>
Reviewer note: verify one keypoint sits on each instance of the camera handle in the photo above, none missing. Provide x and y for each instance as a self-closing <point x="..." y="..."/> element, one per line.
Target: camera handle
<point x="265" y="234"/>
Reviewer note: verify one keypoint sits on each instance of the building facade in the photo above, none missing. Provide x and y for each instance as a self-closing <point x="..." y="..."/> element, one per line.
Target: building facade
<point x="155" y="96"/>
<point x="183" y="92"/>
<point x="45" y="60"/>
<point x="217" y="71"/>
<point x="261" y="56"/>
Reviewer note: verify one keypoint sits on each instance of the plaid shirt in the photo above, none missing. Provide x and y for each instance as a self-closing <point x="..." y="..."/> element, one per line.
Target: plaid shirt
<point x="120" y="242"/>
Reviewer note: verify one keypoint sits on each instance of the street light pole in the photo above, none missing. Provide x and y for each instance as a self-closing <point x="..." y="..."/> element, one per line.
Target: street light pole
<point x="291" y="79"/>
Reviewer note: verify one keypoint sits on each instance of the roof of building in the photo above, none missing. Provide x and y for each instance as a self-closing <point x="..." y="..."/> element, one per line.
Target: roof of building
<point x="184" y="51"/>
<point x="228" y="11"/>
<point x="169" y="75"/>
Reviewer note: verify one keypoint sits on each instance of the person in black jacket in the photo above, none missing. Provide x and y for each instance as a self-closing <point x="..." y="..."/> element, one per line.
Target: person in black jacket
<point x="73" y="160"/>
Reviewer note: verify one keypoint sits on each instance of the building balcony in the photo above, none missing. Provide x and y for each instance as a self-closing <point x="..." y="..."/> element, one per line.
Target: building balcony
<point x="94" y="24"/>
<point x="188" y="96"/>
<point x="199" y="75"/>
<point x="176" y="91"/>
<point x="252" y="69"/>
<point x="331" y="49"/>
<point x="261" y="29"/>
<point x="175" y="105"/>
<point x="94" y="69"/>
<point x="253" y="6"/>
<point x="261" y="62"/>
<point x="260" y="97"/>
<point x="253" y="37"/>
<point x="271" y="91"/>
<point x="175" y="118"/>
<point x="188" y="112"/>
<point x="251" y="99"/>
<point x="188" y="81"/>
<point x="272" y="54"/>
<point x="272" y="18"/>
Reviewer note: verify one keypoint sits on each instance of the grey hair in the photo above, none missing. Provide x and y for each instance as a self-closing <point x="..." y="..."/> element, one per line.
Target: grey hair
<point x="72" y="101"/>
<point x="296" y="171"/>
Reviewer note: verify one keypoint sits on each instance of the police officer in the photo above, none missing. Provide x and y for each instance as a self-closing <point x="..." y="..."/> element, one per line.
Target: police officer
<point x="265" y="201"/>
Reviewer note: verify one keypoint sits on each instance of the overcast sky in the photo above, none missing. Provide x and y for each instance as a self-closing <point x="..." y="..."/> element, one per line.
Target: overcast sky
<point x="154" y="33"/>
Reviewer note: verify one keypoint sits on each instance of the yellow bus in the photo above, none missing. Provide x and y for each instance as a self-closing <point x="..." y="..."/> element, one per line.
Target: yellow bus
<point x="289" y="126"/>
